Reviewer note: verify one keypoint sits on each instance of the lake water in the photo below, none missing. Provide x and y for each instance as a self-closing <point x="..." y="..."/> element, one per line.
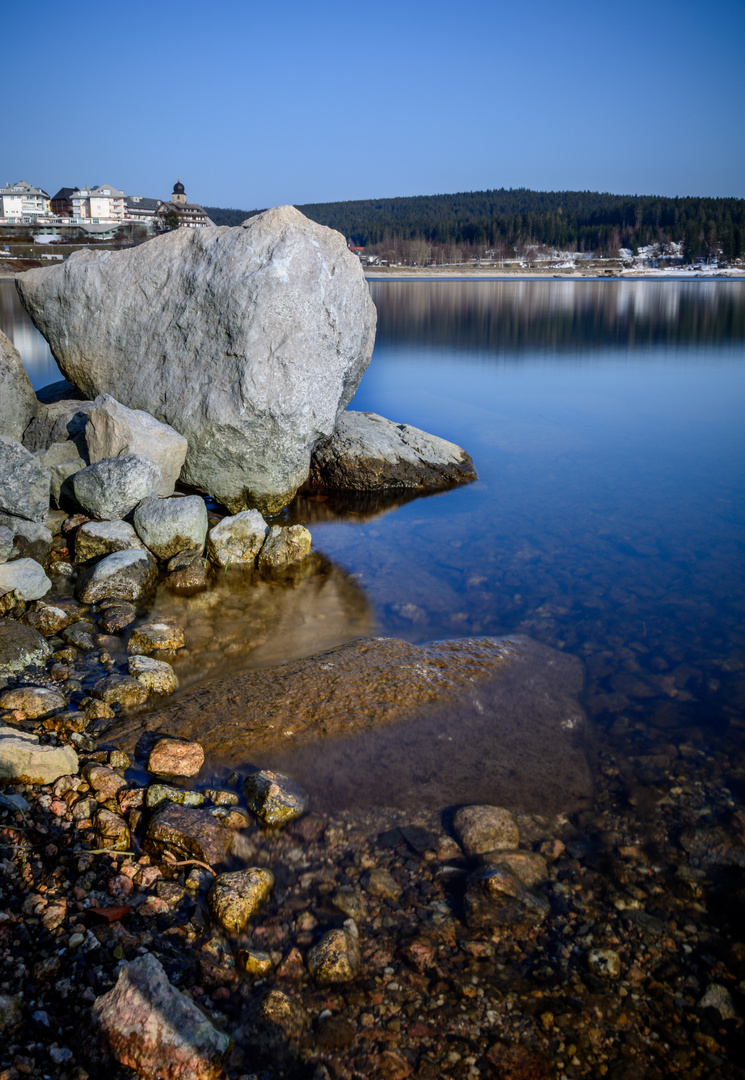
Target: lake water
<point x="605" y="419"/>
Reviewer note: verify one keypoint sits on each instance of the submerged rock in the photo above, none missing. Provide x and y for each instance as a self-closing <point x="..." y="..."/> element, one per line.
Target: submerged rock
<point x="275" y="798"/>
<point x="155" y="635"/>
<point x="235" y="897"/>
<point x="249" y="341"/>
<point x="336" y="957"/>
<point x="113" y="429"/>
<point x="485" y="828"/>
<point x="451" y="722"/>
<point x="369" y="453"/>
<point x="155" y="1029"/>
<point x="18" y="402"/>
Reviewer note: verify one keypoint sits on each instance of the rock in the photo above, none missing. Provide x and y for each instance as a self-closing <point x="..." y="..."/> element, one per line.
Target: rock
<point x="95" y="539"/>
<point x="235" y="897"/>
<point x="25" y="578"/>
<point x="174" y="757"/>
<point x="24" y="483"/>
<point x="157" y="794"/>
<point x="6" y="543"/>
<point x="275" y="798"/>
<point x="156" y="676"/>
<point x="33" y="701"/>
<point x="11" y="1006"/>
<point x="718" y="997"/>
<point x="20" y="647"/>
<point x="512" y="701"/>
<point x="104" y="780"/>
<point x="187" y="574"/>
<point x="605" y="963"/>
<point x="369" y="453"/>
<point x="31" y="540"/>
<point x="528" y="866"/>
<point x="336" y="957"/>
<point x="123" y="575"/>
<point x="79" y="635"/>
<point x="189" y="833"/>
<point x="285" y="1017"/>
<point x="18" y="402"/>
<point x="237" y="540"/>
<point x="113" y="429"/>
<point x="283" y="547"/>
<point x="116" y="616"/>
<point x="120" y="690"/>
<point x="112" y="830"/>
<point x="153" y="1028"/>
<point x="47" y="618"/>
<point x="250" y="341"/>
<point x="169" y="527"/>
<point x="158" y="634"/>
<point x="113" y="486"/>
<point x="496" y="898"/>
<point x="255" y="963"/>
<point x="57" y="423"/>
<point x="22" y="757"/>
<point x="485" y="828"/>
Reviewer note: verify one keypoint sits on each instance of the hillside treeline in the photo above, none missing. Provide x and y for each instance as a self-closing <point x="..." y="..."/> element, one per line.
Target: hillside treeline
<point x="517" y="219"/>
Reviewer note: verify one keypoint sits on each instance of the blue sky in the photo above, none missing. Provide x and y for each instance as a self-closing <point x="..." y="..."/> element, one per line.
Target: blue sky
<point x="253" y="105"/>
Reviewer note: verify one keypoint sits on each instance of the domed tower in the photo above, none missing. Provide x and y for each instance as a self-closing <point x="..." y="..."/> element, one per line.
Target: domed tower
<point x="179" y="194"/>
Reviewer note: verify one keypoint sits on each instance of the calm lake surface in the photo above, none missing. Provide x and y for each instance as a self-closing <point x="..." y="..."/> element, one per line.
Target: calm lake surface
<point x="605" y="419"/>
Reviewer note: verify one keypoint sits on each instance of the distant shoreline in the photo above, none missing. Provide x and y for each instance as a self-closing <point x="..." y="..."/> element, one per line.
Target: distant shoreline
<point x="400" y="273"/>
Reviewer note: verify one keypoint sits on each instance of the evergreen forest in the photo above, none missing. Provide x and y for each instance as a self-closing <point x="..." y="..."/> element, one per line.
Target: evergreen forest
<point x="507" y="221"/>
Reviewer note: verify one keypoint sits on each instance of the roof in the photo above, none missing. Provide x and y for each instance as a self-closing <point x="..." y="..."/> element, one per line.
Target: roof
<point x="139" y="202"/>
<point x="178" y="188"/>
<point x="103" y="191"/>
<point x="22" y="187"/>
<point x="64" y="193"/>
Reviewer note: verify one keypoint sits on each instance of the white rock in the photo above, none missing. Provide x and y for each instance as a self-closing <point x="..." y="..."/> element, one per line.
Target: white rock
<point x="237" y="539"/>
<point x="114" y="429"/>
<point x="22" y="756"/>
<point x="110" y="488"/>
<point x="249" y="341"/>
<point x="26" y="577"/>
<point x="171" y="526"/>
<point x="18" y="402"/>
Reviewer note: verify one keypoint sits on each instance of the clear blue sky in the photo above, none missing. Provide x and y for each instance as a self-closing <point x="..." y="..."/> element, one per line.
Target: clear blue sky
<point x="255" y="105"/>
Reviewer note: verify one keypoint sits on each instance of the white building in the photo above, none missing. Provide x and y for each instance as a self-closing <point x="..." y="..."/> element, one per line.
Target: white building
<point x="99" y="205"/>
<point x="23" y="204"/>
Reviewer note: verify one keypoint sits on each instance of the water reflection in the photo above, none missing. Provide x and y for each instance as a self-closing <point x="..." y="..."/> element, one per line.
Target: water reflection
<point x="15" y="323"/>
<point x="506" y="318"/>
<point x="244" y="622"/>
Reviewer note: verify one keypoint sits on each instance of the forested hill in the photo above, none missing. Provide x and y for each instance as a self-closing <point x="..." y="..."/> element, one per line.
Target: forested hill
<point x="567" y="220"/>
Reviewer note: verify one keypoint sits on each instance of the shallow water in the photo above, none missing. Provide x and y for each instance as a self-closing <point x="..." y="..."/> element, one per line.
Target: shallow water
<point x="605" y="422"/>
<point x="15" y="323"/>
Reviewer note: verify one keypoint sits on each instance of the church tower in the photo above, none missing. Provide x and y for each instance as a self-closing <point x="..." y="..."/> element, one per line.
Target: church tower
<point x="179" y="194"/>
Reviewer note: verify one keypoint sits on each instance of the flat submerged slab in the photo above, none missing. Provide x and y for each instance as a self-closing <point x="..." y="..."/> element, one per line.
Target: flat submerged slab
<point x="379" y="721"/>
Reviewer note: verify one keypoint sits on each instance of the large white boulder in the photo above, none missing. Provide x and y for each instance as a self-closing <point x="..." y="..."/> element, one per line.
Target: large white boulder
<point x="18" y="403"/>
<point x="249" y="341"/>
